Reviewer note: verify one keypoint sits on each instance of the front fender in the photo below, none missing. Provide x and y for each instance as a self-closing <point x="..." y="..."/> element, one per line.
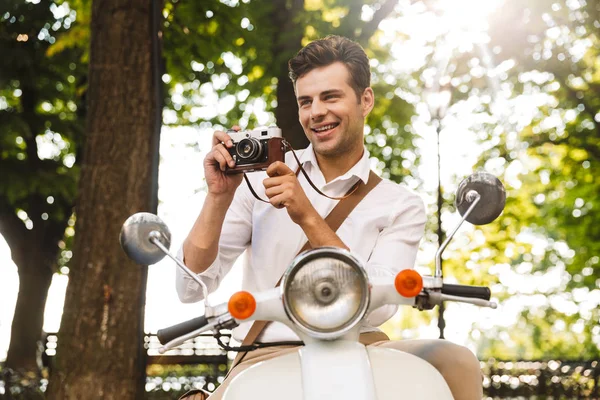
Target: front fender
<point x="349" y="370"/>
<point x="277" y="378"/>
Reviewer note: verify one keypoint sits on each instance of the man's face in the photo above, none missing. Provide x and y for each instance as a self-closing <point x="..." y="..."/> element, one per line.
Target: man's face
<point x="330" y="112"/>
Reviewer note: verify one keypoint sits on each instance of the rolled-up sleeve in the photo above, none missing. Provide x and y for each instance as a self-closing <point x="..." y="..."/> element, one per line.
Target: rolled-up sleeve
<point x="396" y="247"/>
<point x="235" y="237"/>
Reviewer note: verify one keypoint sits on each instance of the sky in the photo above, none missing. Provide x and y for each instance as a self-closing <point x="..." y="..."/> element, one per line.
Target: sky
<point x="462" y="23"/>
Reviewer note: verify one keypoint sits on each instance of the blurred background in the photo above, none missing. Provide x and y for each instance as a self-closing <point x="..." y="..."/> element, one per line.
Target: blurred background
<point x="511" y="87"/>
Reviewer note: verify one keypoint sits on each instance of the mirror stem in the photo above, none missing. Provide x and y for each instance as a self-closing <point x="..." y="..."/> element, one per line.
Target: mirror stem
<point x="472" y="196"/>
<point x="154" y="237"/>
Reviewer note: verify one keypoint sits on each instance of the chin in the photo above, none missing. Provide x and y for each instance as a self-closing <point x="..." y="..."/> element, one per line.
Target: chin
<point x="326" y="149"/>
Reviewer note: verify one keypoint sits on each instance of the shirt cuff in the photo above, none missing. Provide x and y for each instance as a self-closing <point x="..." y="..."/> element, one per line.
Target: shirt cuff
<point x="188" y="290"/>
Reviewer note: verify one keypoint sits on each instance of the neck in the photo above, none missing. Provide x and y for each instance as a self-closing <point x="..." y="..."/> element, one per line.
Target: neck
<point x="334" y="166"/>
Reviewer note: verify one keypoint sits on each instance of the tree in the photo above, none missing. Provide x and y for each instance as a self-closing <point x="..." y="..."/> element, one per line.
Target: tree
<point x="244" y="44"/>
<point x="100" y="352"/>
<point x="560" y="150"/>
<point x="541" y="136"/>
<point x="41" y="114"/>
<point x="238" y="52"/>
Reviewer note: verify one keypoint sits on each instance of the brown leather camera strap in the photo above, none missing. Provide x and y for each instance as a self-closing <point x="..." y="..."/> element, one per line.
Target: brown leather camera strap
<point x="352" y="189"/>
<point x="334" y="219"/>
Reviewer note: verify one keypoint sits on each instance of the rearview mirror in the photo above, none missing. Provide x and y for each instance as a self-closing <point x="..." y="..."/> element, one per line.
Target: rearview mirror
<point x="135" y="238"/>
<point x="493" y="197"/>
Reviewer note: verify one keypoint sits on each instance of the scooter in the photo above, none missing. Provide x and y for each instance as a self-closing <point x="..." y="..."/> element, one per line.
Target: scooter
<point x="323" y="297"/>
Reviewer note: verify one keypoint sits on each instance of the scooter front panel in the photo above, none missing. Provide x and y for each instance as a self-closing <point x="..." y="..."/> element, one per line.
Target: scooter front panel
<point x="400" y="375"/>
<point x="337" y="370"/>
<point x="275" y="379"/>
<point x="383" y="374"/>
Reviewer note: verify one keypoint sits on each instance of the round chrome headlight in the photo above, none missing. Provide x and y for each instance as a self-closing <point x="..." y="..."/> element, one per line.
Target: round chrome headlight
<point x="325" y="292"/>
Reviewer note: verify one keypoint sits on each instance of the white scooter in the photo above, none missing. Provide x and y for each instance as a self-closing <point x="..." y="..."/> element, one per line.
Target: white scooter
<point x="324" y="295"/>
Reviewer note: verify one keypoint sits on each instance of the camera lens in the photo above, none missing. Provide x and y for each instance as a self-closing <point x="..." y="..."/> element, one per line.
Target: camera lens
<point x="249" y="149"/>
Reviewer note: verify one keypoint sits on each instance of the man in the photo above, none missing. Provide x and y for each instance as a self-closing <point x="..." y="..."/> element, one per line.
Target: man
<point x="331" y="78"/>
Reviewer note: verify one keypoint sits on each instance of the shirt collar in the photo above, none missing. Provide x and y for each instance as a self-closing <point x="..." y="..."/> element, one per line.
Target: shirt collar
<point x="360" y="170"/>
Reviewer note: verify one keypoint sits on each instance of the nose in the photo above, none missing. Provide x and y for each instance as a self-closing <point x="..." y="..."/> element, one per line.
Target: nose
<point x="317" y="110"/>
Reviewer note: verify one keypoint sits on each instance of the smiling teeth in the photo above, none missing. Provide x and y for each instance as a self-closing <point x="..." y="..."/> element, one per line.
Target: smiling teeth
<point x="325" y="128"/>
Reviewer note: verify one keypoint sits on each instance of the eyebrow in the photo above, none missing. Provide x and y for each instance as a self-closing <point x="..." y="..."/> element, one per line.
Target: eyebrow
<point x="325" y="93"/>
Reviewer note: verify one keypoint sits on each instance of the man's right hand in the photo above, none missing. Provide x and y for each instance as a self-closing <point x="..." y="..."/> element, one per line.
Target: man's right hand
<point x="216" y="163"/>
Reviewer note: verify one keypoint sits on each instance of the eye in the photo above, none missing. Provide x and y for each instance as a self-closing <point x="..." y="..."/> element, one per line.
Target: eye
<point x="305" y="103"/>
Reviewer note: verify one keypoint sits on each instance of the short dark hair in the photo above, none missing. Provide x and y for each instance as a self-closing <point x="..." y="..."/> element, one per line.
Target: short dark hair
<point x="329" y="50"/>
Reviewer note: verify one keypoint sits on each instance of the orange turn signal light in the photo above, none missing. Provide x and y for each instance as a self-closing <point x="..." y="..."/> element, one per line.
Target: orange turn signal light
<point x="241" y="305"/>
<point x="408" y="283"/>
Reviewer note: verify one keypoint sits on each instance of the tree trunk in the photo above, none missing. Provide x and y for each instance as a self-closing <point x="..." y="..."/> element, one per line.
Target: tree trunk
<point x="35" y="276"/>
<point x="290" y="41"/>
<point x="100" y="348"/>
<point x="34" y="252"/>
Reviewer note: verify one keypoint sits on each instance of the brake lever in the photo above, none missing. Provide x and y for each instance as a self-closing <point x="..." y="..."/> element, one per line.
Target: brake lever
<point x="431" y="298"/>
<point x="468" y="300"/>
<point x="225" y="321"/>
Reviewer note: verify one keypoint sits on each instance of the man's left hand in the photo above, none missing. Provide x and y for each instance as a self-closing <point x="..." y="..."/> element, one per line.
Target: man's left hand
<point x="283" y="190"/>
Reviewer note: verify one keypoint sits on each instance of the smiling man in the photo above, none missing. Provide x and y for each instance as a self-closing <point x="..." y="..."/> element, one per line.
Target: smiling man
<point x="331" y="78"/>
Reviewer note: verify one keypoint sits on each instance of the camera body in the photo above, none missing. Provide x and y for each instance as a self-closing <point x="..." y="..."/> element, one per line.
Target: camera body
<point x="256" y="149"/>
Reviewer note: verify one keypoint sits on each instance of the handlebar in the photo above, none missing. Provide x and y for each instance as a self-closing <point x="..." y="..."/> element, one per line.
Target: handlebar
<point x="474" y="292"/>
<point x="449" y="292"/>
<point x="173" y="332"/>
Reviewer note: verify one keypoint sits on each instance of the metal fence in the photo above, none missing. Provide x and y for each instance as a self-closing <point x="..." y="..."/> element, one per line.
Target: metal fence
<point x="201" y="364"/>
<point x="541" y="379"/>
<point x="198" y="363"/>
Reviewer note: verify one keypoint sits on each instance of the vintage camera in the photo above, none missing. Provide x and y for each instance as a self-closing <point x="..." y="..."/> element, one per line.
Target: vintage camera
<point x="255" y="150"/>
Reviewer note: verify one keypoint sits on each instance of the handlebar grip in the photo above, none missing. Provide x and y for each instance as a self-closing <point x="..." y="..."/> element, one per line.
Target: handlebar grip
<point x="173" y="332"/>
<point x="474" y="292"/>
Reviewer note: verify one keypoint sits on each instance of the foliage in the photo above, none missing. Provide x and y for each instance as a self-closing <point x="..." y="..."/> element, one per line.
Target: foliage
<point x="225" y="53"/>
<point x="221" y="52"/>
<point x="41" y="129"/>
<point x="223" y="60"/>
<point x="216" y="51"/>
<point x="538" y="128"/>
<point x="542" y="136"/>
<point x="41" y="113"/>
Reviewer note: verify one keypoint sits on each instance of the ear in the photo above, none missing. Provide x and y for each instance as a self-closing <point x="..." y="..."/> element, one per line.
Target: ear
<point x="367" y="101"/>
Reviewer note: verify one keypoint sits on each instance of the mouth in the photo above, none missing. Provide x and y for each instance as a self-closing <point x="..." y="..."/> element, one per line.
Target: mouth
<point x="324" y="130"/>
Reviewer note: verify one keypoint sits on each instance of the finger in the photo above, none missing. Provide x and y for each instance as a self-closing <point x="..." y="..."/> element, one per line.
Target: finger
<point x="236" y="128"/>
<point x="275" y="181"/>
<point x="219" y="148"/>
<point x="220" y="159"/>
<point x="222" y="137"/>
<point x="223" y="151"/>
<point x="274" y="191"/>
<point x="279" y="201"/>
<point x="279" y="168"/>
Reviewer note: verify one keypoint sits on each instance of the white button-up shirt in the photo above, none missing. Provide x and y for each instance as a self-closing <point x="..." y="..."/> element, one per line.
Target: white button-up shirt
<point x="383" y="231"/>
